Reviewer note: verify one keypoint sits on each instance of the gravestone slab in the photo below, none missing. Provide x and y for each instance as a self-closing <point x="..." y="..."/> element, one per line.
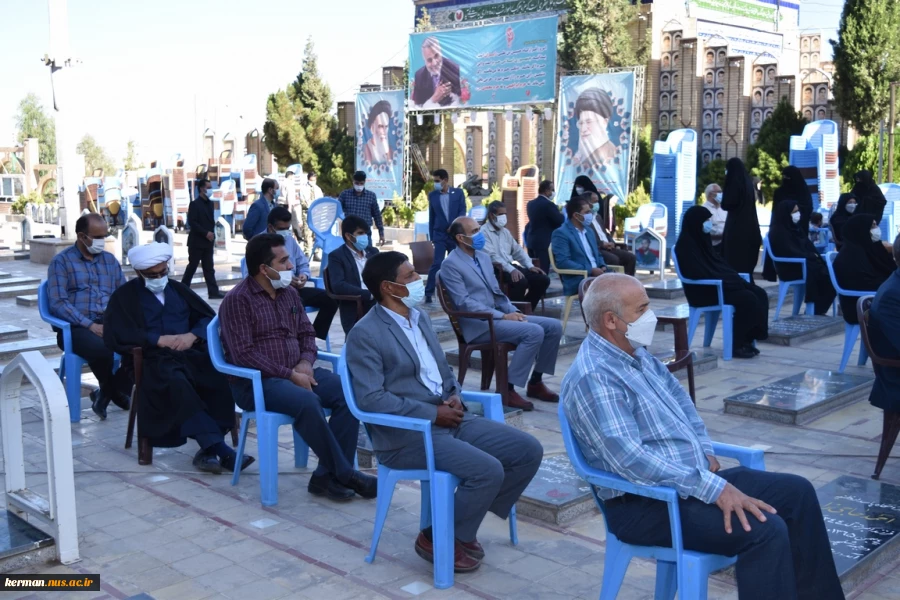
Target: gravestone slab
<point x="803" y="328"/>
<point x="800" y="398"/>
<point x="18" y="281"/>
<point x="569" y="344"/>
<point x="862" y="517"/>
<point x="554" y="308"/>
<point x="29" y="300"/>
<point x="556" y="494"/>
<point x="22" y="544"/>
<point x="705" y="360"/>
<point x="667" y="289"/>
<point x="12" y="332"/>
<point x="45" y="345"/>
<point x="4" y="275"/>
<point x="18" y="290"/>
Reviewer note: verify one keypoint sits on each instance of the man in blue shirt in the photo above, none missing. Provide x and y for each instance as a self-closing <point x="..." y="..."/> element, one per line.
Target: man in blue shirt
<point x="631" y="417"/>
<point x="445" y="205"/>
<point x="80" y="281"/>
<point x="255" y="221"/>
<point x="362" y="203"/>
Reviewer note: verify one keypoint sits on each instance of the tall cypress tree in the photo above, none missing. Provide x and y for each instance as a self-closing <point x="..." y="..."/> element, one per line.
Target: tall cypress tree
<point x="866" y="60"/>
<point x="595" y="36"/>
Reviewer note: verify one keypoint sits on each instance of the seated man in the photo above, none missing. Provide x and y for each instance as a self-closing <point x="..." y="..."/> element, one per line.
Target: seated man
<point x="526" y="282"/>
<point x="399" y="368"/>
<point x="345" y="266"/>
<point x="181" y="394"/>
<point x="605" y="241"/>
<point x="80" y="281"/>
<point x="280" y="223"/>
<point x="264" y="327"/>
<point x="631" y="417"/>
<point x="575" y="247"/>
<point x="469" y="278"/>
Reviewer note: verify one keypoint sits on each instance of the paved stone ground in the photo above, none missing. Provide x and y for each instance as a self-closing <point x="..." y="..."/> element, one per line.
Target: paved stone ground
<point x="165" y="531"/>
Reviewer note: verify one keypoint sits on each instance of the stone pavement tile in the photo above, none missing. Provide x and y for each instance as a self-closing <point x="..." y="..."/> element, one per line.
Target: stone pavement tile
<point x="499" y="553"/>
<point x="186" y="590"/>
<point x="532" y="568"/>
<point x="273" y="563"/>
<point x="291" y="535"/>
<point x="130" y="565"/>
<point x="495" y="582"/>
<point x="243" y="549"/>
<point x="565" y="551"/>
<point x="143" y="508"/>
<point x="201" y="564"/>
<point x="154" y="578"/>
<point x="385" y="573"/>
<point x="261" y="589"/>
<point x="129" y="528"/>
<point x="336" y="588"/>
<point x="573" y="581"/>
<point x="227" y="579"/>
<point x="174" y="551"/>
<point x="301" y="576"/>
<point x="218" y="537"/>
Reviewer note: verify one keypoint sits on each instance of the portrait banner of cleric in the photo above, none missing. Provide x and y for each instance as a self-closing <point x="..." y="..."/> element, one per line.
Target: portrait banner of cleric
<point x="437" y="84"/>
<point x="377" y="150"/>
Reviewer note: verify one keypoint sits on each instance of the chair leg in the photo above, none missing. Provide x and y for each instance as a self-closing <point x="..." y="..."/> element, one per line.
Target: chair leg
<point x="568" y="308"/>
<point x="889" y="431"/>
<point x="851" y="332"/>
<point x="145" y="451"/>
<point x="234" y="431"/>
<point x="382" y="506"/>
<point x="267" y="443"/>
<point x="863" y="354"/>
<point x="443" y="488"/>
<point x="693" y="321"/>
<point x="690" y="373"/>
<point x="694" y="581"/>
<point x="464" y="355"/>
<point x="487" y="369"/>
<point x="711" y="319"/>
<point x="513" y="527"/>
<point x="425" y="510"/>
<point x="242" y="444"/>
<point x="614" y="568"/>
<point x="666" y="580"/>
<point x="727" y="331"/>
<point x="132" y="417"/>
<point x="782" y="294"/>
<point x="328" y="343"/>
<point x="73" y="385"/>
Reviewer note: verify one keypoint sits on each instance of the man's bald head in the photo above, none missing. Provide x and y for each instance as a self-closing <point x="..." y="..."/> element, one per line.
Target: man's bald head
<point x="612" y="302"/>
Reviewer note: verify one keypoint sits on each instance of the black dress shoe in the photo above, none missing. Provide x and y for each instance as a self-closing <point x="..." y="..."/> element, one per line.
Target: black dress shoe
<point x="328" y="486"/>
<point x="428" y="300"/>
<point x="207" y="462"/>
<point x="228" y="462"/>
<point x="743" y="352"/>
<point x="121" y="400"/>
<point x="753" y="349"/>
<point x="216" y="296"/>
<point x="364" y="485"/>
<point x="99" y="402"/>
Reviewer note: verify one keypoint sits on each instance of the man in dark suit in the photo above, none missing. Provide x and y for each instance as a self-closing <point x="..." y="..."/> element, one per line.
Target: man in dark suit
<point x="345" y="266"/>
<point x="543" y="218"/>
<point x="884" y="334"/>
<point x="438" y="81"/>
<point x="445" y="204"/>
<point x="258" y="213"/>
<point x="201" y="240"/>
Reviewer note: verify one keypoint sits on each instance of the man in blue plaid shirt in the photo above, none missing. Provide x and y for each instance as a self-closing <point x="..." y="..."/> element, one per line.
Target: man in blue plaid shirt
<point x="362" y="203"/>
<point x="631" y="417"/>
<point x="80" y="281"/>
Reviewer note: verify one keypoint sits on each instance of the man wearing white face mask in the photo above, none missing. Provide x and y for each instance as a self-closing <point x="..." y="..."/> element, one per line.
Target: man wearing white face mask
<point x="714" y="205"/>
<point x="631" y="417"/>
<point x="397" y="367"/>
<point x="80" y="281"/>
<point x="264" y="327"/>
<point x="181" y="394"/>
<point x="526" y="282"/>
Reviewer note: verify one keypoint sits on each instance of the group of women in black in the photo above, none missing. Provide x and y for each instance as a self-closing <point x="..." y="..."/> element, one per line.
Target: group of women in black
<point x="863" y="262"/>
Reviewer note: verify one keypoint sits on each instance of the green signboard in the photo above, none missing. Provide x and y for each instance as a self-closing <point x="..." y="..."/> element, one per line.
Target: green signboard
<point x="740" y="8"/>
<point x="447" y="17"/>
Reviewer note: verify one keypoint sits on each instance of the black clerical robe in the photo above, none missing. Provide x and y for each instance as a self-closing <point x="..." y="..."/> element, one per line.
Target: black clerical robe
<point x="175" y="386"/>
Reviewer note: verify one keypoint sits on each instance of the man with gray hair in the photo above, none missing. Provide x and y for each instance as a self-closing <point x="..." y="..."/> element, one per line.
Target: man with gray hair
<point x="884" y="335"/>
<point x="631" y="417"/>
<point x="713" y="204"/>
<point x="437" y="83"/>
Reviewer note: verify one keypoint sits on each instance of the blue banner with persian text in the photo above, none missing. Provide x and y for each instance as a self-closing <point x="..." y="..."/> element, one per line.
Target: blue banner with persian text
<point x="379" y="141"/>
<point x="494" y="65"/>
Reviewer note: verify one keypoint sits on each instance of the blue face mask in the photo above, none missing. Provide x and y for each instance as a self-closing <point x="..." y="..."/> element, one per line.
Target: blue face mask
<point x="416" y="295"/>
<point x="588" y="219"/>
<point x="478" y="241"/>
<point x="707" y="226"/>
<point x="362" y="242"/>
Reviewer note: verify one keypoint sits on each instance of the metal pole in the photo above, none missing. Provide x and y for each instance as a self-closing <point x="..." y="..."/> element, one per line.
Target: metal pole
<point x="892" y="125"/>
<point x="881" y="153"/>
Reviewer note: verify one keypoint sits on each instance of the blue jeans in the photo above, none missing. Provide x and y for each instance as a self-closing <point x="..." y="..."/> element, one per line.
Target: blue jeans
<point x="788" y="557"/>
<point x="333" y="440"/>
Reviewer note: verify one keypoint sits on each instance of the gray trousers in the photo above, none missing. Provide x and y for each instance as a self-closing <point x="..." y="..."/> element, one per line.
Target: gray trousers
<point x="494" y="462"/>
<point x="537" y="344"/>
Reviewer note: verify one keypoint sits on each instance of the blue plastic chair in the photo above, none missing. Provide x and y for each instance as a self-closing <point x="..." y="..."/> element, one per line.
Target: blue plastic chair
<point x="851" y="332"/>
<point x="420" y="225"/>
<point x="316" y="281"/>
<point x="677" y="569"/>
<point x="267" y="423"/>
<point x="438" y="487"/>
<point x="783" y="286"/>
<point x="320" y="218"/>
<point x="710" y="313"/>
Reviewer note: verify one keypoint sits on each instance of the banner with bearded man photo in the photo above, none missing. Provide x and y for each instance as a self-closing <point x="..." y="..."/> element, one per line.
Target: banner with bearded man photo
<point x="379" y="141"/>
<point x="594" y="129"/>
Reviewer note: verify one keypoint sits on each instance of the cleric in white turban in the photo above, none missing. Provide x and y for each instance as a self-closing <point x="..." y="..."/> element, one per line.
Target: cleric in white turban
<point x="181" y="394"/>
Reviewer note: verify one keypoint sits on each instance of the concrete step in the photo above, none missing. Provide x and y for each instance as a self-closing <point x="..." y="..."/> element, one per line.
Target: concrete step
<point x="20" y="280"/>
<point x="4" y="275"/>
<point x="8" y="255"/>
<point x="29" y="300"/>
<point x="45" y="345"/>
<point x="9" y="333"/>
<point x="18" y="290"/>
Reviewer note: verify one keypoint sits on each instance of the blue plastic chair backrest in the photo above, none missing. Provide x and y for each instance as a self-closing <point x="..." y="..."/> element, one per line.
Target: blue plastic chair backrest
<point x="421" y="217"/>
<point x="479" y="213"/>
<point x="322" y="215"/>
<point x="829" y="261"/>
<point x="217" y="357"/>
<point x="44" y="307"/>
<point x="576" y="457"/>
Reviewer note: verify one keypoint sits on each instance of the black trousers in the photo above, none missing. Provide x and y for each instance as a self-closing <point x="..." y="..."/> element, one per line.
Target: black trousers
<point x="334" y="440"/>
<point x="202" y="256"/>
<point x="91" y="348"/>
<point x="622" y="258"/>
<point x="788" y="557"/>
<point x="327" y="308"/>
<point x="531" y="288"/>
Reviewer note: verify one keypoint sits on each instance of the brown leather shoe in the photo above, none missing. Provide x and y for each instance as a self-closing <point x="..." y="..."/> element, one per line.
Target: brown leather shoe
<point x="514" y="400"/>
<point x="473" y="549"/>
<point x="462" y="562"/>
<point x="541" y="392"/>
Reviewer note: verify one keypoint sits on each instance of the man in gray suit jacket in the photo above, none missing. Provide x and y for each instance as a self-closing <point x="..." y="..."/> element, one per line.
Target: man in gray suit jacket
<point x="398" y="368"/>
<point x="469" y="278"/>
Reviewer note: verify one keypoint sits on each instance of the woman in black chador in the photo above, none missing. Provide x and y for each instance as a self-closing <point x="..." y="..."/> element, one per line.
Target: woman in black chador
<point x="870" y="197"/>
<point x="793" y="187"/>
<point x="741" y="239"/>
<point x="863" y="263"/>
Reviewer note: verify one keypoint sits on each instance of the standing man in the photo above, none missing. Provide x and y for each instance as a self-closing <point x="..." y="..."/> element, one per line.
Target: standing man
<point x="526" y="281"/>
<point x="299" y="212"/>
<point x="80" y="280"/>
<point x="362" y="203"/>
<point x="714" y="205"/>
<point x="259" y="210"/>
<point x="289" y="195"/>
<point x="444" y="205"/>
<point x="202" y="240"/>
<point x="543" y="218"/>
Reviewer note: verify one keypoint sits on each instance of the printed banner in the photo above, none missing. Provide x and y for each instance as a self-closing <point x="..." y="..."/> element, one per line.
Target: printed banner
<point x="458" y="12"/>
<point x="594" y="128"/>
<point x="379" y="141"/>
<point x="494" y="65"/>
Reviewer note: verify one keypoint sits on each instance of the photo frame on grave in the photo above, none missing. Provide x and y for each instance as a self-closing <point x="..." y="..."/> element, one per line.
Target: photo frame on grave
<point x="649" y="249"/>
<point x="164" y="235"/>
<point x="130" y="237"/>
<point x="223" y="236"/>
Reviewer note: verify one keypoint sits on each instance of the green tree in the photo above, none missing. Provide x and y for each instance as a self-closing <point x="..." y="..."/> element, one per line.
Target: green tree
<point x="866" y="60"/>
<point x="864" y="157"/>
<point x="132" y="161"/>
<point x="32" y="121"/>
<point x="95" y="156"/>
<point x="645" y="157"/>
<point x="595" y="36"/>
<point x="769" y="155"/>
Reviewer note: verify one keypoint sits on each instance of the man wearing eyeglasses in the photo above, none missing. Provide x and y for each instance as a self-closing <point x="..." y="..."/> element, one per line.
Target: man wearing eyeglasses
<point x="182" y="395"/>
